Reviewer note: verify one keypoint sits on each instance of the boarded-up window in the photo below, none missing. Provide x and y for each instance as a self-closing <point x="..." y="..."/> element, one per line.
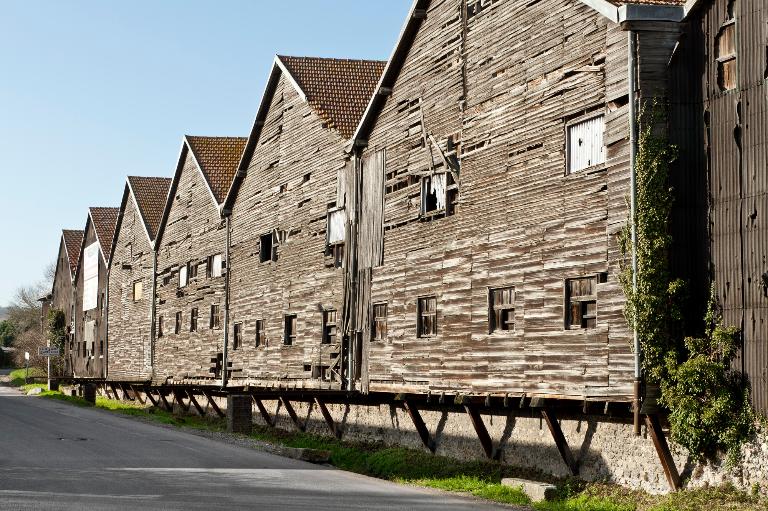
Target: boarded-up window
<point x="289" y="334"/>
<point x="214" y="266"/>
<point x="138" y="291"/>
<point x="193" y="315"/>
<point x="329" y="326"/>
<point x="501" y="303"/>
<point x="585" y="144"/>
<point x="380" y="322"/>
<point x="427" y="317"/>
<point x="260" y="339"/>
<point x="89" y="336"/>
<point x="725" y="49"/>
<point x="336" y="223"/>
<point x="438" y="194"/>
<point x="184" y="276"/>
<point x="237" y="336"/>
<point x="581" y="303"/>
<point x="91" y="277"/>
<point x="177" y="327"/>
<point x="214" y="320"/>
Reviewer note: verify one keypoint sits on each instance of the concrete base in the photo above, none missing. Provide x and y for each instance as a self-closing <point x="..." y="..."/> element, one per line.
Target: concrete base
<point x="536" y="491"/>
<point x="239" y="414"/>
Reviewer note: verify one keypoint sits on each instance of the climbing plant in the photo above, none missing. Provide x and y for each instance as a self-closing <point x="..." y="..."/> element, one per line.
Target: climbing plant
<point x="57" y="332"/>
<point x="708" y="401"/>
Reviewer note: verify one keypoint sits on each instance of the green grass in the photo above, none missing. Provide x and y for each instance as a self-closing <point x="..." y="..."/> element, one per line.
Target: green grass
<point x="17" y="375"/>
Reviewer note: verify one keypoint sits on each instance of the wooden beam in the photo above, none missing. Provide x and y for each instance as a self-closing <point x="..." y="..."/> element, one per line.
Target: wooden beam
<point x="180" y="399"/>
<point x="292" y="414"/>
<point x="166" y="405"/>
<point x="126" y="393"/>
<point x="421" y="428"/>
<point x="335" y="431"/>
<point x="114" y="391"/>
<point x="482" y="432"/>
<point x="662" y="449"/>
<point x="263" y="411"/>
<point x="105" y="391"/>
<point x="195" y="403"/>
<point x="213" y="404"/>
<point x="562" y="444"/>
<point x="137" y="395"/>
<point x="151" y="397"/>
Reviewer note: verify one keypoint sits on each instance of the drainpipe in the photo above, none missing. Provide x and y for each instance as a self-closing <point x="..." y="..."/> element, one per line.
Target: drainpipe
<point x="224" y="354"/>
<point x="105" y="317"/>
<point x="153" y="317"/>
<point x="632" y="63"/>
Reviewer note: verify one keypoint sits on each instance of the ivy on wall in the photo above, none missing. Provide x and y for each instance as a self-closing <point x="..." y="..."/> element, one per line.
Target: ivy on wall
<point x="708" y="401"/>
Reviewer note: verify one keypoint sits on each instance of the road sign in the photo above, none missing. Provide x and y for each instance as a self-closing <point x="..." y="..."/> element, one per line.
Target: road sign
<point x="48" y="351"/>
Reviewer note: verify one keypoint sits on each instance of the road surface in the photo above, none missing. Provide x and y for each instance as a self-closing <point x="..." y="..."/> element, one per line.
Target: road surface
<point x="55" y="456"/>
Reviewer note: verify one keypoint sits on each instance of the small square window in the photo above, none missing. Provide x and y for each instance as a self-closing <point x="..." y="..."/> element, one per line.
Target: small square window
<point x="237" y="336"/>
<point x="581" y="303"/>
<point x="177" y="328"/>
<point x="380" y="322"/>
<point x="138" y="290"/>
<point x="260" y="339"/>
<point x="214" y="319"/>
<point x="289" y="336"/>
<point x="192" y="270"/>
<point x="329" y="326"/>
<point x="427" y="317"/>
<point x="193" y="320"/>
<point x="501" y="303"/>
<point x="585" y="145"/>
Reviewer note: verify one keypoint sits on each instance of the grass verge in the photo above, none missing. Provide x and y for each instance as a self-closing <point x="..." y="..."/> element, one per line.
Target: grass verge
<point x="479" y="478"/>
<point x="16" y="377"/>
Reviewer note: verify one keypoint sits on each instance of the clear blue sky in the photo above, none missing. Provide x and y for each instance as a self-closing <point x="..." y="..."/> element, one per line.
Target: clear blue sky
<point x="92" y="91"/>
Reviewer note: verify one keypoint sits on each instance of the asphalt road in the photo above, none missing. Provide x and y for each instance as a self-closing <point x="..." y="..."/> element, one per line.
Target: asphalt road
<point x="57" y="456"/>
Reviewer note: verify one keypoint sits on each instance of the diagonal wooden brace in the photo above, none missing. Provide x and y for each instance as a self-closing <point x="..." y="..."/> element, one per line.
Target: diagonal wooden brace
<point x="148" y="392"/>
<point x="292" y="414"/>
<point x="550" y="417"/>
<point x="137" y="395"/>
<point x="213" y="404"/>
<point x="421" y="428"/>
<point x="335" y="430"/>
<point x="263" y="411"/>
<point x="114" y="391"/>
<point x="482" y="432"/>
<point x="192" y="400"/>
<point x="180" y="399"/>
<point x="662" y="449"/>
<point x="127" y="393"/>
<point x="166" y="405"/>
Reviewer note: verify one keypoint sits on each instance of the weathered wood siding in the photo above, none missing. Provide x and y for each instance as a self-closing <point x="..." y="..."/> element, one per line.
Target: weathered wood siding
<point x="62" y="299"/>
<point x="130" y="324"/>
<point x="292" y="181"/>
<point x="92" y="364"/>
<point x="193" y="232"/>
<point x="501" y="84"/>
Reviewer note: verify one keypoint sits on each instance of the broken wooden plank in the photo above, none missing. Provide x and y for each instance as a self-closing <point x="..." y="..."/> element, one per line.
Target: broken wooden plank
<point x="421" y="427"/>
<point x="550" y="417"/>
<point x="662" y="449"/>
<point x="335" y="430"/>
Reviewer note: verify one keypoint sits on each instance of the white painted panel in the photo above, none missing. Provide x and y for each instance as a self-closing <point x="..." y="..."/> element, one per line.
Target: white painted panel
<point x="89" y="335"/>
<point x="91" y="277"/>
<point x="216" y="269"/>
<point x="337" y="220"/>
<point x="585" y="144"/>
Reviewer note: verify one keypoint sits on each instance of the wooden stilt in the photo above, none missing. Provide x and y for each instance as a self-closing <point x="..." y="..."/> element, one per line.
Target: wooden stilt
<point x="662" y="449"/>
<point x="562" y="444"/>
<point x="167" y="405"/>
<point x="179" y="394"/>
<point x="292" y="413"/>
<point x="137" y="395"/>
<point x="335" y="431"/>
<point x="482" y="432"/>
<point x="213" y="404"/>
<point x="421" y="428"/>
<point x="105" y="391"/>
<point x="151" y="397"/>
<point x="127" y="393"/>
<point x="193" y="401"/>
<point x="264" y="413"/>
<point x="114" y="391"/>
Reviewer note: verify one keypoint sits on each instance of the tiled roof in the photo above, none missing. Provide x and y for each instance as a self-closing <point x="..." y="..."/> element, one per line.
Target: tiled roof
<point x="218" y="158"/>
<point x="339" y="90"/>
<point x="73" y="241"/>
<point x="150" y="193"/>
<point x="649" y="2"/>
<point x="104" y="222"/>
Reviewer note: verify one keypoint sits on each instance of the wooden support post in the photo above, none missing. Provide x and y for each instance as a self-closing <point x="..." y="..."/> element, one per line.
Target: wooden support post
<point x="562" y="444"/>
<point x="263" y="411"/>
<point x="421" y="428"/>
<point x="114" y="391"/>
<point x="167" y="406"/>
<point x="105" y="392"/>
<point x="151" y="397"/>
<point x="137" y="395"/>
<point x="662" y="449"/>
<point x="213" y="404"/>
<point x="127" y="393"/>
<point x="482" y="433"/>
<point x="180" y="399"/>
<point x="292" y="413"/>
<point x="335" y="431"/>
<point x="195" y="403"/>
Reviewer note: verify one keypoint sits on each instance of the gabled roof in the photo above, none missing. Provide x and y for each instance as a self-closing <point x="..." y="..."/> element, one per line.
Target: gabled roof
<point x="73" y="241"/>
<point x="337" y="90"/>
<point x="217" y="158"/>
<point x="104" y="223"/>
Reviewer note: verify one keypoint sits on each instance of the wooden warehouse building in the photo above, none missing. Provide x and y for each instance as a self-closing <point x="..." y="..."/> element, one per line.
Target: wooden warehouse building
<point x="91" y="289"/>
<point x="191" y="250"/>
<point x="288" y="223"/>
<point x="132" y="278"/>
<point x="63" y="292"/>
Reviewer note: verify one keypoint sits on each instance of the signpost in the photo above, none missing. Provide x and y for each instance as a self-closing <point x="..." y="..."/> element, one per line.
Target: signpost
<point x="26" y="363"/>
<point x="47" y="352"/>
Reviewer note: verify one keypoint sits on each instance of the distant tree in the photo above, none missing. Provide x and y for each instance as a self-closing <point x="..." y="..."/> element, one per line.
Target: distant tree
<point x="7" y="333"/>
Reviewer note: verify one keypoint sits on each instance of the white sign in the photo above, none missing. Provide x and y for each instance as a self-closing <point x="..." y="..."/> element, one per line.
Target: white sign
<point x="91" y="277"/>
<point x="48" y="351"/>
<point x="26" y="355"/>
